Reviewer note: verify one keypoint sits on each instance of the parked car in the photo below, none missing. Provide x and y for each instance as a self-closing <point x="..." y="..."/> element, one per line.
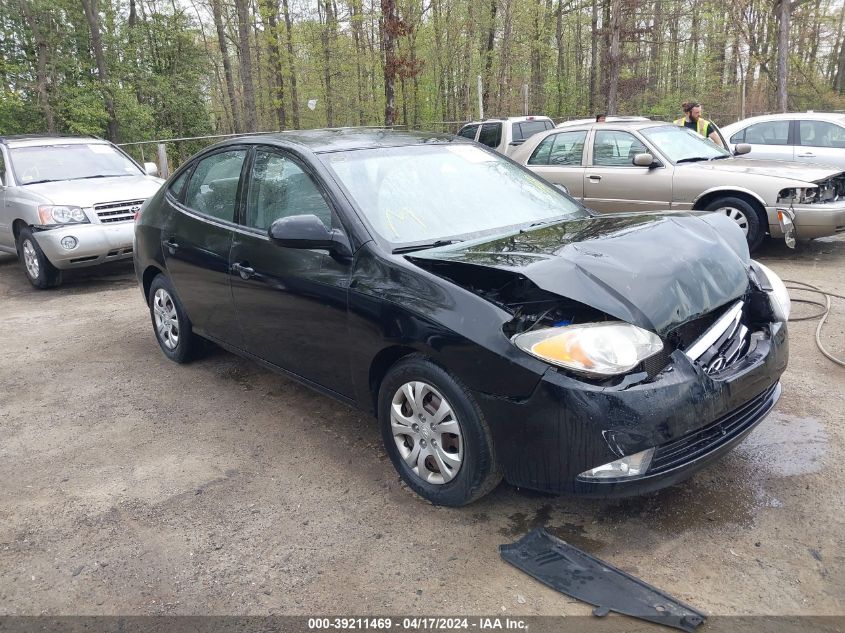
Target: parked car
<point x="505" y="135"/>
<point x="68" y="202"/>
<point x="805" y="137"/>
<point x="647" y="166"/>
<point x="495" y="330"/>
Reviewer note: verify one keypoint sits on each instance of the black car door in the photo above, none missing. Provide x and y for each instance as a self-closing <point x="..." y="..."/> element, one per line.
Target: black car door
<point x="197" y="239"/>
<point x="291" y="303"/>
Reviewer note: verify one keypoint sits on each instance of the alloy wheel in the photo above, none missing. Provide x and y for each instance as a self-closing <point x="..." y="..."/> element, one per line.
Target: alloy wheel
<point x="166" y="318"/>
<point x="427" y="432"/>
<point x="30" y="259"/>
<point x="737" y="216"/>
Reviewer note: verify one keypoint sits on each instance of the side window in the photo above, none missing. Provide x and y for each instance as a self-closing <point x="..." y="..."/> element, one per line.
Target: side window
<point x="616" y="149"/>
<point x="821" y="134"/>
<point x="279" y="188"/>
<point x="739" y="137"/>
<point x="213" y="188"/>
<point x="468" y="131"/>
<point x="491" y="134"/>
<point x="542" y="151"/>
<point x="768" y="133"/>
<point x="2" y="170"/>
<point x="522" y="131"/>
<point x="568" y="148"/>
<point x="175" y="188"/>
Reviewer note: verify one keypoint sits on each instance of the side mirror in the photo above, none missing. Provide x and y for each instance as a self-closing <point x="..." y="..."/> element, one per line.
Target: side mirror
<point x="151" y="169"/>
<point x="561" y="187"/>
<point x="644" y="160"/>
<point x="308" y="231"/>
<point x="741" y="148"/>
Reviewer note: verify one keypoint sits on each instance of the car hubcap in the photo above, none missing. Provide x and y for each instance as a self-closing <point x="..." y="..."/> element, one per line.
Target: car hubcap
<point x="737" y="216"/>
<point x="30" y="259"/>
<point x="426" y="432"/>
<point x="167" y="321"/>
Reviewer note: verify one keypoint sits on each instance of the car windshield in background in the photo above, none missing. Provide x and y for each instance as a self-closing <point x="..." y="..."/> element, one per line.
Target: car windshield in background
<point x="682" y="145"/>
<point x="48" y="163"/>
<point x="422" y="194"/>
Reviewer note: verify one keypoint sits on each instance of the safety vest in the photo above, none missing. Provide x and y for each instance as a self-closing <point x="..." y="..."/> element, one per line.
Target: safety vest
<point x="702" y="125"/>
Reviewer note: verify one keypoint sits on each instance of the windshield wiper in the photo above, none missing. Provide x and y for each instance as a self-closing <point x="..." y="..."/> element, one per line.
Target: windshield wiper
<point x="421" y="247"/>
<point x="692" y="159"/>
<point x="100" y="176"/>
<point x="38" y="182"/>
<point x="719" y="157"/>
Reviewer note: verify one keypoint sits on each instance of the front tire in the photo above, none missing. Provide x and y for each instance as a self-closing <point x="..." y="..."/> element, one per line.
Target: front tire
<point x="37" y="268"/>
<point x="171" y="325"/>
<point x="435" y="434"/>
<point x="745" y="216"/>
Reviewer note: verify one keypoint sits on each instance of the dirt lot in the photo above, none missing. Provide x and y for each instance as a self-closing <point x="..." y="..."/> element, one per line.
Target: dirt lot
<point x="132" y="485"/>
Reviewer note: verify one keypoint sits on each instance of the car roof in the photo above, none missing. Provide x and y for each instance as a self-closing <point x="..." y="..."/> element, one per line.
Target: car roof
<point x="37" y="140"/>
<point x="610" y="119"/>
<point x="626" y="124"/>
<point x="344" y="139"/>
<point x="528" y="117"/>
<point x="809" y="114"/>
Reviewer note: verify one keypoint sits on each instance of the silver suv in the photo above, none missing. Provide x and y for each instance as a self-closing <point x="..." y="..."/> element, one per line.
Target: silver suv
<point x="68" y="202"/>
<point x="505" y="135"/>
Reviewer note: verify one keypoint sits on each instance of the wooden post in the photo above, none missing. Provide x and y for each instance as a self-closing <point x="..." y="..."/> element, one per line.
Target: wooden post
<point x="163" y="167"/>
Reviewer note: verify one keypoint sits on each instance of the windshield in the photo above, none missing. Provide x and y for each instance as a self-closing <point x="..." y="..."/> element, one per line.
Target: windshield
<point x="47" y="163"/>
<point x="680" y="144"/>
<point x="422" y="194"/>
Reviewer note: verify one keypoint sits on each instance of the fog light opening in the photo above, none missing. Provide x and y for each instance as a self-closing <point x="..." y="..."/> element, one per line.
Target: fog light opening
<point x="634" y="465"/>
<point x="69" y="242"/>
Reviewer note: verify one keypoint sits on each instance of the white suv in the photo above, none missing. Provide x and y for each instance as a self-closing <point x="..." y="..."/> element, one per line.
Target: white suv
<point x="505" y="135"/>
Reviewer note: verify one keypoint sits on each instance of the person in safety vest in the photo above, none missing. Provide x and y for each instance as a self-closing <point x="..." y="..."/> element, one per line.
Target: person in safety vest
<point x="694" y="121"/>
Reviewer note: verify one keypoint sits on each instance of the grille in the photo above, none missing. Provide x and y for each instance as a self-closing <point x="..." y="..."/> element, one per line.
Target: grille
<point x="117" y="211"/>
<point x="723" y="343"/>
<point x="713" y="436"/>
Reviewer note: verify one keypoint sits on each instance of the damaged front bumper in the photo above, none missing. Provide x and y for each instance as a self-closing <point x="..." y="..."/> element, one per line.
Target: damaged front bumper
<point x="811" y="220"/>
<point x="691" y="418"/>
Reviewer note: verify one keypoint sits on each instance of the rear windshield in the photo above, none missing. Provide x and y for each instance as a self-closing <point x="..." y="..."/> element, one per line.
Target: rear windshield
<point x="49" y="163"/>
<point x="491" y="135"/>
<point x="522" y="131"/>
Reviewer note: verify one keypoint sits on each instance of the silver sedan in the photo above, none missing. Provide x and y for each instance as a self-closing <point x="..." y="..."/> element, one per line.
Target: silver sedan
<point x="653" y="165"/>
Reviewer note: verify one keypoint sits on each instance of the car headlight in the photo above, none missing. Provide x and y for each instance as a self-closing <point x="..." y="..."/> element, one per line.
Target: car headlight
<point x="61" y="214"/>
<point x="798" y="195"/>
<point x="593" y="349"/>
<point x="778" y="295"/>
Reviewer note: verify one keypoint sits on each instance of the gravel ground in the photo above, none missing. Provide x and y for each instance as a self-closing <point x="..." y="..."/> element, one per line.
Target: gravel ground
<point x="132" y="485"/>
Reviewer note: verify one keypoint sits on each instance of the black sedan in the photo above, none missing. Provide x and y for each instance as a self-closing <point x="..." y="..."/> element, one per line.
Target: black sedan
<point x="496" y="327"/>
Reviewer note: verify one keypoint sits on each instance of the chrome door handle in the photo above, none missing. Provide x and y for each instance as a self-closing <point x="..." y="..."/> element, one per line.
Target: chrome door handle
<point x="243" y="270"/>
<point x="594" y="177"/>
<point x="807" y="155"/>
<point x="172" y="245"/>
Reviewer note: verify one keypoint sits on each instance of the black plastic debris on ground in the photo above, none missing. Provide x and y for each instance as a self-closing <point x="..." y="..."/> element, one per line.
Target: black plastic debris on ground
<point x="579" y="575"/>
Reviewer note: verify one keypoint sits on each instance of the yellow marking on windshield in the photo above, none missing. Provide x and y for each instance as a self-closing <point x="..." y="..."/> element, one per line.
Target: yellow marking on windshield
<point x="401" y="216"/>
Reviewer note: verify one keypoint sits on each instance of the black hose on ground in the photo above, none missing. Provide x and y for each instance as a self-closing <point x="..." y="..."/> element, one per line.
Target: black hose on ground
<point x="822" y="316"/>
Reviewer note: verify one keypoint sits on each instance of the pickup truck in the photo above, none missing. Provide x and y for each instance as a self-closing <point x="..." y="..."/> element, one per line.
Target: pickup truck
<point x="505" y="135"/>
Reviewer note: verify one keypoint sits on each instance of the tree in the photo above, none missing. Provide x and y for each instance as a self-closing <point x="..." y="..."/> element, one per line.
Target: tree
<point x="250" y="121"/>
<point x="91" y="8"/>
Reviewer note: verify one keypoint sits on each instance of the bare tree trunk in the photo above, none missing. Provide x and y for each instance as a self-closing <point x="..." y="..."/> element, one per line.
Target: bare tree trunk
<point x="356" y="17"/>
<point x="784" y="10"/>
<point x="559" y="65"/>
<point x="294" y="97"/>
<point x="594" y="53"/>
<point x="615" y="56"/>
<point x="488" y="56"/>
<point x="41" y="83"/>
<point x="277" y="79"/>
<point x="390" y="27"/>
<point x="327" y="38"/>
<point x="246" y="65"/>
<point x="237" y="122"/>
<point x="93" y="16"/>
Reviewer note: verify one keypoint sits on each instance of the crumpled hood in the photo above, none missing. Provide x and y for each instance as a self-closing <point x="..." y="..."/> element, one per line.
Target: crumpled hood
<point x="776" y="168"/>
<point x="655" y="271"/>
<point x="86" y="193"/>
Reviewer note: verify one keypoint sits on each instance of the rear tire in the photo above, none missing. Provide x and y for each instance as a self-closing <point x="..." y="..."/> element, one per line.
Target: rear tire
<point x="435" y="433"/>
<point x="171" y="325"/>
<point x="37" y="268"/>
<point x="745" y="215"/>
